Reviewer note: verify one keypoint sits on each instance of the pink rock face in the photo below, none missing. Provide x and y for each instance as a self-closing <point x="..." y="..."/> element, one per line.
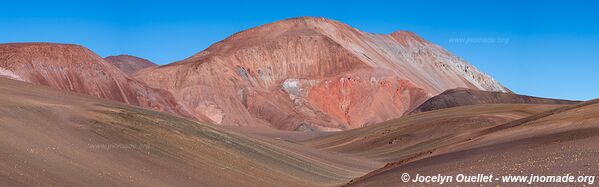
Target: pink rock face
<point x="357" y="101"/>
<point x="313" y="74"/>
<point x="77" y="69"/>
<point x="129" y="64"/>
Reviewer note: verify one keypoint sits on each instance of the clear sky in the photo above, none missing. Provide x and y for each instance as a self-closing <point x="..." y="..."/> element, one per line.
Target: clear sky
<point x="540" y="48"/>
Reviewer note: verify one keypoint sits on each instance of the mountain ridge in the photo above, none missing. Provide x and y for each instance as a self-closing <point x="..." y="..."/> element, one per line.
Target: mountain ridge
<point x="313" y="73"/>
<point x="129" y="64"/>
<point x="462" y="97"/>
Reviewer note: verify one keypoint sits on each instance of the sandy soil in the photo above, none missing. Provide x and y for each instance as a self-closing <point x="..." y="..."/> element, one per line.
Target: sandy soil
<point x="54" y="138"/>
<point x="419" y="133"/>
<point x="556" y="142"/>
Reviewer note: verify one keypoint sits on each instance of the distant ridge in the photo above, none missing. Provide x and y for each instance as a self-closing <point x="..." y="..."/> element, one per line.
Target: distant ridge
<point x="464" y="97"/>
<point x="129" y="64"/>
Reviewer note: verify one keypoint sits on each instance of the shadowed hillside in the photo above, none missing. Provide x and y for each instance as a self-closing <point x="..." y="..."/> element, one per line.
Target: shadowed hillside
<point x="463" y="97"/>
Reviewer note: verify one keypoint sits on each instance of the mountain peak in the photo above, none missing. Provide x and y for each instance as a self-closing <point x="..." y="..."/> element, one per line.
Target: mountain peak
<point x="307" y="18"/>
<point x="40" y="46"/>
<point x="48" y="53"/>
<point x="299" y="25"/>
<point x="129" y="64"/>
<point x="406" y="36"/>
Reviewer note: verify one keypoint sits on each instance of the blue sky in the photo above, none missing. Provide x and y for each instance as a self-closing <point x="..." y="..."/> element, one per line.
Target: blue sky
<point x="540" y="48"/>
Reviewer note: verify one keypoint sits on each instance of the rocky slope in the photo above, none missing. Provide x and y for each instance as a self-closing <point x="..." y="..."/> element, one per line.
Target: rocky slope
<point x="314" y="74"/>
<point x="77" y="69"/>
<point x="463" y="97"/>
<point x="129" y="64"/>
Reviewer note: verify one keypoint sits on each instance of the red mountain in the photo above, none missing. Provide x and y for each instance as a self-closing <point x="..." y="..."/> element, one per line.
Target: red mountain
<point x="77" y="69"/>
<point x="314" y="74"/>
<point x="129" y="64"/>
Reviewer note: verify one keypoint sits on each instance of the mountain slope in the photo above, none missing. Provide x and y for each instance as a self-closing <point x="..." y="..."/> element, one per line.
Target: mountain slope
<point x="410" y="136"/>
<point x="129" y="64"/>
<point x="313" y="74"/>
<point x="75" y="68"/>
<point x="552" y="143"/>
<point x="54" y="138"/>
<point x="463" y="97"/>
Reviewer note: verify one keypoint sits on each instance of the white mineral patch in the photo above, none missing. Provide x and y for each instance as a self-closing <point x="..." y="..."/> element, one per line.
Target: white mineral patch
<point x="292" y="87"/>
<point x="9" y="74"/>
<point x="298" y="88"/>
<point x="212" y="111"/>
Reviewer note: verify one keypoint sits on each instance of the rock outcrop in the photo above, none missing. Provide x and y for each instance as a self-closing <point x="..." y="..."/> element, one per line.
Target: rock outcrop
<point x="314" y="74"/>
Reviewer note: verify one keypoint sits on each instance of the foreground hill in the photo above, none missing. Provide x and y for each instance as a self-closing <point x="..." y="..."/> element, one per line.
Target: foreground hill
<point x="77" y="69"/>
<point x="463" y="97"/>
<point x="499" y="139"/>
<point x="54" y="138"/>
<point x="410" y="136"/>
<point x="552" y="143"/>
<point x="314" y="74"/>
<point x="129" y="64"/>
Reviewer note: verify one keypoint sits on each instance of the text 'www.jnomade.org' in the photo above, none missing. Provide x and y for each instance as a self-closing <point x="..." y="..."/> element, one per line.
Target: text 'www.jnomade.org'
<point x="482" y="178"/>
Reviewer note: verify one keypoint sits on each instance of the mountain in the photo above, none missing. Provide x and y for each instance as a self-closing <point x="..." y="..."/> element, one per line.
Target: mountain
<point x="463" y="97"/>
<point x="129" y="64"/>
<point x="54" y="138"/>
<point x="77" y="69"/>
<point x="313" y="74"/>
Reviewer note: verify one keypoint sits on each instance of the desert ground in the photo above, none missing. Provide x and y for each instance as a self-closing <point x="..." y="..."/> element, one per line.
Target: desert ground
<point x="51" y="137"/>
